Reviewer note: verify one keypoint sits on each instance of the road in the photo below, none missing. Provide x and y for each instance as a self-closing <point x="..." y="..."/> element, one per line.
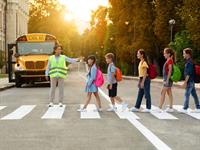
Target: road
<point x="23" y="125"/>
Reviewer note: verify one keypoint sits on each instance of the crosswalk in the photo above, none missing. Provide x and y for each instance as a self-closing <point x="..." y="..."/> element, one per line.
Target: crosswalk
<point x="57" y="112"/>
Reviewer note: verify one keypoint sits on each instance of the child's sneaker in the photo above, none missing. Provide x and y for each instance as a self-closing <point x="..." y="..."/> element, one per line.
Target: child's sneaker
<point x="82" y="110"/>
<point x="100" y="110"/>
<point x="170" y="110"/>
<point x="146" y="110"/>
<point x="134" y="109"/>
<point x="182" y="111"/>
<point x="195" y="111"/>
<point x="124" y="106"/>
<point x="60" y="104"/>
<point x="50" y="104"/>
<point x="158" y="110"/>
<point x="112" y="109"/>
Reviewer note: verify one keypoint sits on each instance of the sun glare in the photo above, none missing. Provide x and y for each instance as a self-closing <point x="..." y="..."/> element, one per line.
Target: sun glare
<point x="80" y="10"/>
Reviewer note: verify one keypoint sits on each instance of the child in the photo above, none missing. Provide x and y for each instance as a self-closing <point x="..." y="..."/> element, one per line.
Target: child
<point x="91" y="88"/>
<point x="112" y="83"/>
<point x="167" y="82"/>
<point x="144" y="83"/>
<point x="189" y="83"/>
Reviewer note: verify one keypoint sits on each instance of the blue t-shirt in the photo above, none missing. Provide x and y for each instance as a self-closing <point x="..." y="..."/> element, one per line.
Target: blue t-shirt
<point x="110" y="71"/>
<point x="189" y="70"/>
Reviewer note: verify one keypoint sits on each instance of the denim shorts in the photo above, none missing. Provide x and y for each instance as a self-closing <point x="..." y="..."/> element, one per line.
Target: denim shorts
<point x="169" y="84"/>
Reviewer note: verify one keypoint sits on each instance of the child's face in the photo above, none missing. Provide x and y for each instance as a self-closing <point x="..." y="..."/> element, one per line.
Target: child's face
<point x="108" y="60"/>
<point x="185" y="56"/>
<point x="166" y="55"/>
<point x="139" y="56"/>
<point x="90" y="62"/>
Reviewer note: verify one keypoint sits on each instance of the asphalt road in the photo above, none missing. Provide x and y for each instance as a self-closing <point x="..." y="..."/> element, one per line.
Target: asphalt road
<point x="105" y="131"/>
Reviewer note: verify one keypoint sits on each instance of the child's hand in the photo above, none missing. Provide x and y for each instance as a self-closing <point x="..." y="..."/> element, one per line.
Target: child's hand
<point x="110" y="87"/>
<point x="184" y="85"/>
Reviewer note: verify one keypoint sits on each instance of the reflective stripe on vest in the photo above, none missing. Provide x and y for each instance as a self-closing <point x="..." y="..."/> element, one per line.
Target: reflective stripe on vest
<point x="57" y="69"/>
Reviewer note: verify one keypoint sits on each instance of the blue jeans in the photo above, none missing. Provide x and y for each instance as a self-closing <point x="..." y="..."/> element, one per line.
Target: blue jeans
<point x="190" y="89"/>
<point x="145" y="91"/>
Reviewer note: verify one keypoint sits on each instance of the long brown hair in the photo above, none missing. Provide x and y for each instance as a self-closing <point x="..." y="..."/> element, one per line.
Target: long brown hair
<point x="143" y="53"/>
<point x="55" y="48"/>
<point x="171" y="52"/>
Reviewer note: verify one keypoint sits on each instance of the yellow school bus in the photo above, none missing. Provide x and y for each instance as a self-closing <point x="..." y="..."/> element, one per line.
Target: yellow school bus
<point x="28" y="57"/>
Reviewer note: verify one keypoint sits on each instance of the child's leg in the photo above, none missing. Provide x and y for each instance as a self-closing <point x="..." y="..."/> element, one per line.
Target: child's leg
<point x="89" y="95"/>
<point x="112" y="99"/>
<point x="118" y="99"/>
<point x="169" y="92"/>
<point x="96" y="94"/>
<point x="162" y="98"/>
<point x="187" y="96"/>
<point x="139" y="98"/>
<point x="196" y="99"/>
<point x="147" y="93"/>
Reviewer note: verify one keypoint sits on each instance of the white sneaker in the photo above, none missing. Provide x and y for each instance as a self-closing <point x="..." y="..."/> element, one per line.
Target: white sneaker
<point x="133" y="109"/>
<point x="60" y="104"/>
<point x="158" y="110"/>
<point x="146" y="110"/>
<point x="100" y="110"/>
<point x="170" y="110"/>
<point x="124" y="106"/>
<point x="82" y="110"/>
<point x="50" y="104"/>
<point x="112" y="109"/>
<point x="182" y="110"/>
<point x="195" y="111"/>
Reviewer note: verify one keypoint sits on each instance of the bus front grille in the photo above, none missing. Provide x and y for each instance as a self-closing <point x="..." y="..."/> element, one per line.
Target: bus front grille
<point x="30" y="65"/>
<point x="40" y="65"/>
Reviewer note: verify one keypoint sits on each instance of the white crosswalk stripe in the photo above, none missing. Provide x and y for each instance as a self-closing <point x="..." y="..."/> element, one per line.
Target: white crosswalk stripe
<point x="91" y="112"/>
<point x="55" y="112"/>
<point x="163" y="115"/>
<point x="19" y="113"/>
<point x="2" y="107"/>
<point x="192" y="114"/>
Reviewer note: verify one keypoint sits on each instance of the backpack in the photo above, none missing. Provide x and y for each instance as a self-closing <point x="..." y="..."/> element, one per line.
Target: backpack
<point x="118" y="75"/>
<point x="152" y="71"/>
<point x="99" y="81"/>
<point x="176" y="74"/>
<point x="197" y="74"/>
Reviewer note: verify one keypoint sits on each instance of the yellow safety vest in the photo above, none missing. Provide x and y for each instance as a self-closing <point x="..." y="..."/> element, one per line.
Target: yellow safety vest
<point x="57" y="69"/>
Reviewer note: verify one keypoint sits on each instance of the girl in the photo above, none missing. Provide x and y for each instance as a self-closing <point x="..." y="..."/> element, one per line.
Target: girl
<point x="91" y="88"/>
<point x="167" y="82"/>
<point x="144" y="83"/>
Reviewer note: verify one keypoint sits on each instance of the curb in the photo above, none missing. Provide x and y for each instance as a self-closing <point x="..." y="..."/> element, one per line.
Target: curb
<point x="178" y="84"/>
<point x="5" y="87"/>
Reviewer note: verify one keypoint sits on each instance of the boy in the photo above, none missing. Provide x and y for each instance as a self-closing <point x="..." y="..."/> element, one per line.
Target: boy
<point x="189" y="83"/>
<point x="112" y="83"/>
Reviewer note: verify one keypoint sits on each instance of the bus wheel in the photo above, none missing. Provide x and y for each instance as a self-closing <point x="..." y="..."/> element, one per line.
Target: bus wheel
<point x="17" y="81"/>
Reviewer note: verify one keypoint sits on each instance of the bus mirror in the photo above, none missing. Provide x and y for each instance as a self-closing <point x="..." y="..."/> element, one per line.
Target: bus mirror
<point x="11" y="52"/>
<point x="16" y="55"/>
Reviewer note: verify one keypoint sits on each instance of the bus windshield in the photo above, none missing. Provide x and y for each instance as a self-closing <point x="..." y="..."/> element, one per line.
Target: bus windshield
<point x="26" y="48"/>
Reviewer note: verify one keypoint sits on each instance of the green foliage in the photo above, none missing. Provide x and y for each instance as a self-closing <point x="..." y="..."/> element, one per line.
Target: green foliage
<point x="182" y="40"/>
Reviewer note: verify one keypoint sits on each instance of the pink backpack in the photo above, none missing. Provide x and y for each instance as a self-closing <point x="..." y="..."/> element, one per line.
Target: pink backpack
<point x="99" y="81"/>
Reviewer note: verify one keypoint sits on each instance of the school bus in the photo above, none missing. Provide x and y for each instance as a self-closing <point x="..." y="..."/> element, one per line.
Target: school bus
<point x="28" y="57"/>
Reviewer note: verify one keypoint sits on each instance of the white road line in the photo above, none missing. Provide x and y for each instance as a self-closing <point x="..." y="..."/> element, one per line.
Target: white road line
<point x="55" y="112"/>
<point x="160" y="145"/>
<point x="194" y="115"/>
<point x="163" y="115"/>
<point x="19" y="113"/>
<point x="2" y="107"/>
<point x="91" y="112"/>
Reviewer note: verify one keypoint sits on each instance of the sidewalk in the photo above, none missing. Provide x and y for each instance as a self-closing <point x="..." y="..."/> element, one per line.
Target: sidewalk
<point x="4" y="84"/>
<point x="178" y="84"/>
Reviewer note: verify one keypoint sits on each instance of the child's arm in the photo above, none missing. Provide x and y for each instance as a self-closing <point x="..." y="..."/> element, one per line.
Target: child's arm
<point x="92" y="76"/>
